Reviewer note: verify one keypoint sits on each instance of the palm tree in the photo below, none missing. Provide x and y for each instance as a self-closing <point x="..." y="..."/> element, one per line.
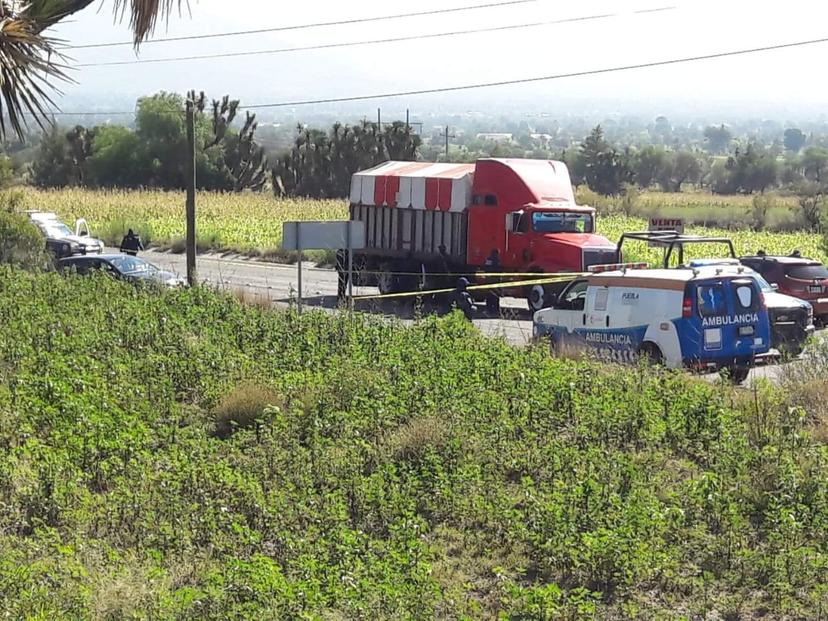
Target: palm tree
<point x="30" y="61"/>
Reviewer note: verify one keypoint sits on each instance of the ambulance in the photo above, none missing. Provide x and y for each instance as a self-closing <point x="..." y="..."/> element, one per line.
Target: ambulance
<point x="702" y="318"/>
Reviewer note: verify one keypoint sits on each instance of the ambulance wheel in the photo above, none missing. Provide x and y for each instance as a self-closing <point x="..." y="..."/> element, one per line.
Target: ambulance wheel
<point x="537" y="298"/>
<point x="651" y="354"/>
<point x="738" y="374"/>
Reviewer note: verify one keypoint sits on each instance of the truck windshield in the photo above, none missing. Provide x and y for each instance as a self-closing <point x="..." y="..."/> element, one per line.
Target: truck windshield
<point x="561" y="222"/>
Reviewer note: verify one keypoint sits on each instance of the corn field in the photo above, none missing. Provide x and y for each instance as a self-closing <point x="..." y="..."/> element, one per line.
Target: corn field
<point x="251" y="223"/>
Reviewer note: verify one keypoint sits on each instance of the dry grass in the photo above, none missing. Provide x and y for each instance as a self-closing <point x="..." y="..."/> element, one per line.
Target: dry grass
<point x="244" y="408"/>
<point x="410" y="441"/>
<point x="255" y="299"/>
<point x="806" y="384"/>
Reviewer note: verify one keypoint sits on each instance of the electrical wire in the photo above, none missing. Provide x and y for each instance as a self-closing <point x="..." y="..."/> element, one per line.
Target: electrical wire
<point x="325" y="46"/>
<point x="559" y="76"/>
<point x="346" y="22"/>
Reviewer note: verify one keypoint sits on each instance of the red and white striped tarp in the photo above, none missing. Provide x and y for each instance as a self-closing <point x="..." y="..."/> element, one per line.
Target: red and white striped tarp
<point x="414" y="185"/>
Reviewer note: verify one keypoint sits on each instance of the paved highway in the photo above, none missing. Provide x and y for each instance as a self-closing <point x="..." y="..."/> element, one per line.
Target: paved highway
<point x="277" y="284"/>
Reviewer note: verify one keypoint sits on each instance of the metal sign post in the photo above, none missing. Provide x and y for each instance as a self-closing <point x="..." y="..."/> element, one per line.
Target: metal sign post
<point x="299" y="266"/>
<point x="325" y="235"/>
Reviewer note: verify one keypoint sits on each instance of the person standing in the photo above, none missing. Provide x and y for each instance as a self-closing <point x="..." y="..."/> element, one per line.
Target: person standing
<point x="131" y="243"/>
<point x="341" y="273"/>
<point x="492" y="266"/>
<point x="463" y="299"/>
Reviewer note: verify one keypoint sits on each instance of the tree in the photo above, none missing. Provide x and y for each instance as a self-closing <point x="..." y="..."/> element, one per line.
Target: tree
<point x="679" y="167"/>
<point x="163" y="140"/>
<point x="648" y="165"/>
<point x="238" y="162"/>
<point x="32" y="61"/>
<point x="718" y="138"/>
<point x="750" y="170"/>
<point x="320" y="164"/>
<point x="606" y="170"/>
<point x="794" y="140"/>
<point x="79" y="141"/>
<point x="814" y="164"/>
<point x="114" y="159"/>
<point x="52" y="167"/>
<point x="811" y="197"/>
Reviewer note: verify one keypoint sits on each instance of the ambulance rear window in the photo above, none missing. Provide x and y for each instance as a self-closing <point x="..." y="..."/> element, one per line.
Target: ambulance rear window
<point x="710" y="300"/>
<point x="745" y="295"/>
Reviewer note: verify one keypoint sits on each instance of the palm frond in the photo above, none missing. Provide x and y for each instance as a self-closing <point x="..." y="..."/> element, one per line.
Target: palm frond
<point x="29" y="63"/>
<point x="144" y="14"/>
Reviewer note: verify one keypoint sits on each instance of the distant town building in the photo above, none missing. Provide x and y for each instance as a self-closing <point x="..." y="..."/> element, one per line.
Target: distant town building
<point x="495" y="137"/>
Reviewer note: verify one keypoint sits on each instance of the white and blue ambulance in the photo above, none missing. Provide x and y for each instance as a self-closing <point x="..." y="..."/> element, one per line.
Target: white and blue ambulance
<point x="700" y="318"/>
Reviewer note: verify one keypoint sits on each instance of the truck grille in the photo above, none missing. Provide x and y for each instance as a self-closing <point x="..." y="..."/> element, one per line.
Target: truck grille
<point x="797" y="316"/>
<point x="599" y="256"/>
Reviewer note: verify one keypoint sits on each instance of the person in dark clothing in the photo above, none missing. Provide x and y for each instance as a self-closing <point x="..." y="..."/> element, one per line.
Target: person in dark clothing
<point x="131" y="243"/>
<point x="463" y="299"/>
<point x="492" y="266"/>
<point x="341" y="273"/>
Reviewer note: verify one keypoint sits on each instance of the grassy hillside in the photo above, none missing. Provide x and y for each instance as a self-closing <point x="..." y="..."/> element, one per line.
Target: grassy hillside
<point x="184" y="457"/>
<point x="252" y="223"/>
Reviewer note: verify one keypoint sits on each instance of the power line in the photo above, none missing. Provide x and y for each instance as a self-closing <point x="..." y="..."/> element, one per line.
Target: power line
<point x="360" y="20"/>
<point x="325" y="46"/>
<point x="559" y="76"/>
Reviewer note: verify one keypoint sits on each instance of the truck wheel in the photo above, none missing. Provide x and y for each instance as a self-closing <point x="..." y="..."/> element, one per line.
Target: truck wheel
<point x="738" y="373"/>
<point x="386" y="281"/>
<point x="651" y="354"/>
<point x="537" y="298"/>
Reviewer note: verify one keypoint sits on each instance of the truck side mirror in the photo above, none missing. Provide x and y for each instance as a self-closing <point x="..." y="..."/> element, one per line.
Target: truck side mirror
<point x="552" y="299"/>
<point x="774" y="286"/>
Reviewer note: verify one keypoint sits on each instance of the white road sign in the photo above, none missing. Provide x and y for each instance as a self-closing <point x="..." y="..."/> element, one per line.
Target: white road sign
<point x="326" y="235"/>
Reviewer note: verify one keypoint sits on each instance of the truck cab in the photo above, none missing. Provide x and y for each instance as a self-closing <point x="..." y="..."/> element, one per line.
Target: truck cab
<point x="526" y="210"/>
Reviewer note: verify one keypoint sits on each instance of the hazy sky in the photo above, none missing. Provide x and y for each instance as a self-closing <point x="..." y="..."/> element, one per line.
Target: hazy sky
<point x="695" y="27"/>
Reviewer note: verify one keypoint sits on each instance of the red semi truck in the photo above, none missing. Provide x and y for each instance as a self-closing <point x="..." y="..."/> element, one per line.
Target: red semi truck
<point x="426" y="219"/>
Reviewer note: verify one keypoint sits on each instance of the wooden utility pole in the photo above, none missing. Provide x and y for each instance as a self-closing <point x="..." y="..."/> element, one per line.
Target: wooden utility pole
<point x="192" y="279"/>
<point x="447" y="136"/>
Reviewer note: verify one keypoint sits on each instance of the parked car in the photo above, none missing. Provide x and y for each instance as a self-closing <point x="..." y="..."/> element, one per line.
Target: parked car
<point x="791" y="319"/>
<point x="800" y="277"/>
<point x="122" y="266"/>
<point x="61" y="241"/>
<point x="698" y="318"/>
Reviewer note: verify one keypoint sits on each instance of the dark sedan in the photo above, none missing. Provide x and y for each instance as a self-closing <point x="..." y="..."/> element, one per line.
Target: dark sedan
<point x="122" y="266"/>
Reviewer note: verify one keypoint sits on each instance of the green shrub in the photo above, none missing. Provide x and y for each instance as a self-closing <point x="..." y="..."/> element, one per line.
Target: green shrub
<point x="244" y="408"/>
<point x="21" y="244"/>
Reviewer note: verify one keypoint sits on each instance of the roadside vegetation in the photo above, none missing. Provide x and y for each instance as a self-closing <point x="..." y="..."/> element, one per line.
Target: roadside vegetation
<point x="183" y="456"/>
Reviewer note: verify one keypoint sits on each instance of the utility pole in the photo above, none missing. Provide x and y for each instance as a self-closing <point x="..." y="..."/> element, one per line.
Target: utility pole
<point x="379" y="118"/>
<point x="447" y="136"/>
<point x="192" y="279"/>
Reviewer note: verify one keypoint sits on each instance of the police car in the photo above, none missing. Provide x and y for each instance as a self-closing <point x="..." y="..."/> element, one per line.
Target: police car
<point x="700" y="318"/>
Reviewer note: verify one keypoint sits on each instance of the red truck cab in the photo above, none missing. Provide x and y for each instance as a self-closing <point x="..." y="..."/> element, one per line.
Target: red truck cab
<point x="526" y="210"/>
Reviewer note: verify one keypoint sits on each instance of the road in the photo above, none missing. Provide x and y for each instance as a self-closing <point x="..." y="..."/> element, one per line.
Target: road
<point x="277" y="284"/>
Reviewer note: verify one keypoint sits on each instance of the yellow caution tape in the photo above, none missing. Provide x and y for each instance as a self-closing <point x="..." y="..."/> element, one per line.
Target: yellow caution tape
<point x="500" y="285"/>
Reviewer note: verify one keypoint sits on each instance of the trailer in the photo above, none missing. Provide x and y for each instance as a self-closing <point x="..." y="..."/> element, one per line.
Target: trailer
<point x="427" y="223"/>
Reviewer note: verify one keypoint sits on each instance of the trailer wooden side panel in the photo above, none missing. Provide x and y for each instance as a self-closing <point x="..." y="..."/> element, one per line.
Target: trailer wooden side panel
<point x="397" y="232"/>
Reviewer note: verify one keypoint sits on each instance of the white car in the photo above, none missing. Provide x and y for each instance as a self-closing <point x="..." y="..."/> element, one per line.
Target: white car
<point x="61" y="241"/>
